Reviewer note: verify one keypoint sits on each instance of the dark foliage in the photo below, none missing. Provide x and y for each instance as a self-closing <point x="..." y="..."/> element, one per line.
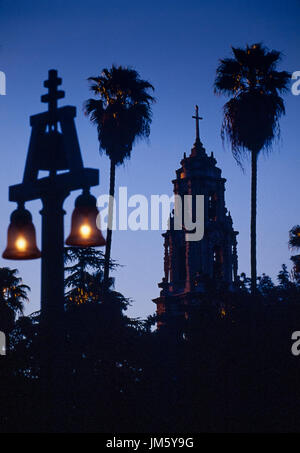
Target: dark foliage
<point x="294" y="244"/>
<point x="232" y="370"/>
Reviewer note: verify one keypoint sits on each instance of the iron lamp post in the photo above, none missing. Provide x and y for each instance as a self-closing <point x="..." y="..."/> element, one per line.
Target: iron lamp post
<point x="53" y="147"/>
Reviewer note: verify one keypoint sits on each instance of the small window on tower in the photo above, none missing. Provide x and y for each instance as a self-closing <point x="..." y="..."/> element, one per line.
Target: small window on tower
<point x="218" y="262"/>
<point x="212" y="207"/>
<point x="182" y="268"/>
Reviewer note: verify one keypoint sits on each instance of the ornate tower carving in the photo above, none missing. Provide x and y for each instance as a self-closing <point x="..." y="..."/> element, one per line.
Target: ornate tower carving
<point x="187" y="264"/>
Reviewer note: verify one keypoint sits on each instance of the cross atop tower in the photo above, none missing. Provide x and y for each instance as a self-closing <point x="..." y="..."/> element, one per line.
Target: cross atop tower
<point x="53" y="94"/>
<point x="197" y="118"/>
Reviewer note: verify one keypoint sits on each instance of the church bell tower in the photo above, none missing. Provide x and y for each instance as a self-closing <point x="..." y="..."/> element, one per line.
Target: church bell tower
<point x="187" y="264"/>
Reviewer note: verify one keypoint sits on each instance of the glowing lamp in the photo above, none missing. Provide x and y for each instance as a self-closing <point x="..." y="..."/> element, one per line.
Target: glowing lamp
<point x="84" y="231"/>
<point x="21" y="237"/>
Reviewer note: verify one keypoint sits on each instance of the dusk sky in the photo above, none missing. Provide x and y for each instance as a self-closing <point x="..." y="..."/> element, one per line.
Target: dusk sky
<point x="175" y="45"/>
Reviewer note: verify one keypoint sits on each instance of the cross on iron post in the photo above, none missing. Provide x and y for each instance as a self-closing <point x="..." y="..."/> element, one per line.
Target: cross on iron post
<point x="53" y="94"/>
<point x="197" y="118"/>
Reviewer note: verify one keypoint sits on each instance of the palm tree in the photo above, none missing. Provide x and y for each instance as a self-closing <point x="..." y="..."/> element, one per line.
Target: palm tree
<point x="13" y="294"/>
<point x="122" y="115"/>
<point x="251" y="116"/>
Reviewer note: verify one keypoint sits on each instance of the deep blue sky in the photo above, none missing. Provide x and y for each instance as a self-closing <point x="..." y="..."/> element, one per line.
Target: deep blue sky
<point x="175" y="45"/>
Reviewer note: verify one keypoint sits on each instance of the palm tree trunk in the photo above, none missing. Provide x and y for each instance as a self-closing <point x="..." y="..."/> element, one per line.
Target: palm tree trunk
<point x="254" y="155"/>
<point x="110" y="223"/>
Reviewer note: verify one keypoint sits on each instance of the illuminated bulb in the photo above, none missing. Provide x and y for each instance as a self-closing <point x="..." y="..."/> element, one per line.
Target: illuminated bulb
<point x="85" y="231"/>
<point x="21" y="244"/>
<point x="21" y="240"/>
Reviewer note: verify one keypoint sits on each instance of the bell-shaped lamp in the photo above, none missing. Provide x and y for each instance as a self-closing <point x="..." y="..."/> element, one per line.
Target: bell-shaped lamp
<point x="21" y="237"/>
<point x="84" y="230"/>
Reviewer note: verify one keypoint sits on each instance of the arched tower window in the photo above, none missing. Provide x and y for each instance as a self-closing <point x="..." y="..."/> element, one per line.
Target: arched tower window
<point x="218" y="262"/>
<point x="182" y="264"/>
<point x="212" y="206"/>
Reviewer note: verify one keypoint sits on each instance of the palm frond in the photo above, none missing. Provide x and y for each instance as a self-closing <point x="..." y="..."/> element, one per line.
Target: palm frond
<point x="122" y="112"/>
<point x="251" y="116"/>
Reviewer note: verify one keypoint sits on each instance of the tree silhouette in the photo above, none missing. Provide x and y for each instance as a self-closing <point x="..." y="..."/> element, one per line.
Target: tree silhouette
<point x="84" y="276"/>
<point x="294" y="244"/>
<point x="294" y="237"/>
<point x="13" y="295"/>
<point x="251" y="116"/>
<point x="122" y="115"/>
<point x="123" y="377"/>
